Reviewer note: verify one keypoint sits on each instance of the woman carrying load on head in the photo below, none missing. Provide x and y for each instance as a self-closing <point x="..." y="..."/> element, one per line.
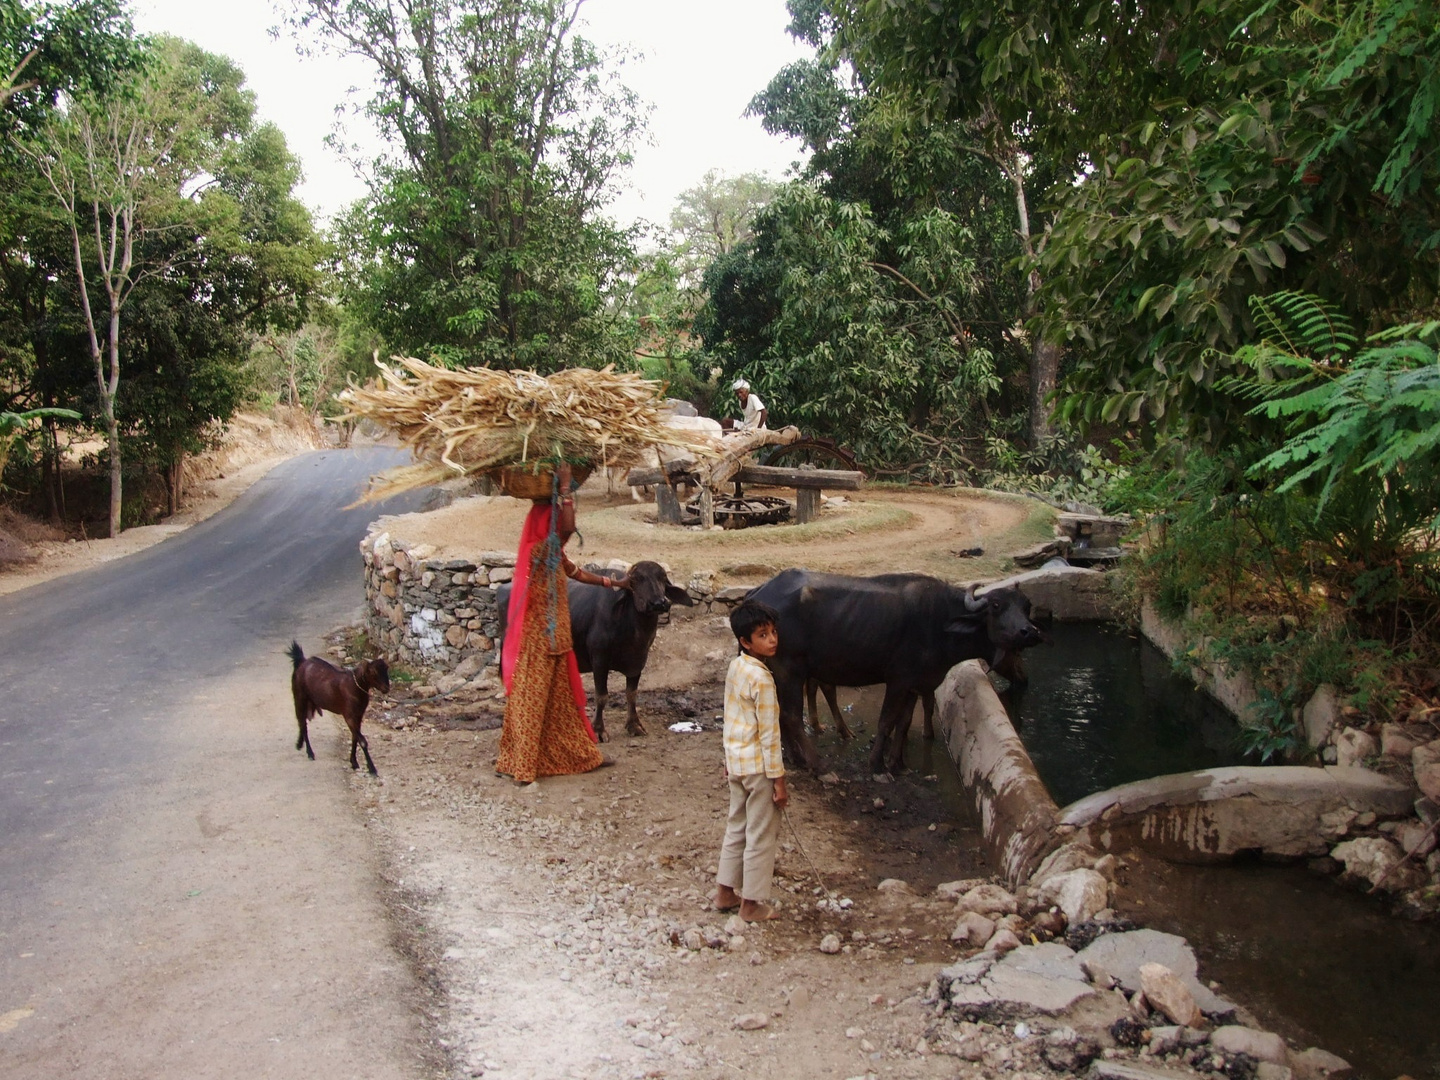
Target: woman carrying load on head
<point x="546" y="730"/>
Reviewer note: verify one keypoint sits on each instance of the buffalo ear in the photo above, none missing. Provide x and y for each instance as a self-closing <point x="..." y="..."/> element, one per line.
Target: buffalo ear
<point x="676" y="595"/>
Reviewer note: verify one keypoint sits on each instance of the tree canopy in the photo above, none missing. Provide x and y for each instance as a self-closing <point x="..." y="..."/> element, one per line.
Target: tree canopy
<point x="482" y="239"/>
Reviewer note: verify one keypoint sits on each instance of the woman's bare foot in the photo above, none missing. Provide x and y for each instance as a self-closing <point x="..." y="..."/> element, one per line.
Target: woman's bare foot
<point x="755" y="911"/>
<point x="726" y="899"/>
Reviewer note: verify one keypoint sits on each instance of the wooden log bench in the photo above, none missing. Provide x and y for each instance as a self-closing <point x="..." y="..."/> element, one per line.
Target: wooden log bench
<point x="808" y="483"/>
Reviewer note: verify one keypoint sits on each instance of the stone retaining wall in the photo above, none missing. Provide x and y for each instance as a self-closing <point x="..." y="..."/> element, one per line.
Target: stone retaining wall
<point x="440" y="614"/>
<point x="428" y="612"/>
<point x="1017" y="814"/>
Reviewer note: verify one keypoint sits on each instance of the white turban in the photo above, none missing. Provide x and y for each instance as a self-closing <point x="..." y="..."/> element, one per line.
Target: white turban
<point x="740" y="384"/>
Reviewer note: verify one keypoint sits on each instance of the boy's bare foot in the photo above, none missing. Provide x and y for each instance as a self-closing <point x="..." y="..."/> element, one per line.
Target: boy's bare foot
<point x="754" y="911"/>
<point x="726" y="899"/>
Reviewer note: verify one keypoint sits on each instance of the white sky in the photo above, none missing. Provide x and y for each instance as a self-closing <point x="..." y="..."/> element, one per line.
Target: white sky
<point x="701" y="65"/>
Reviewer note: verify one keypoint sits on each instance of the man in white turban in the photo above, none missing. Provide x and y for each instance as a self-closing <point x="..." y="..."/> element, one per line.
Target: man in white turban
<point x="753" y="408"/>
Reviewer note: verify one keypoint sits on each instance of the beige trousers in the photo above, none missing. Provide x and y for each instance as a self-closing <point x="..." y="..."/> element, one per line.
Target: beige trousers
<point x="747" y="856"/>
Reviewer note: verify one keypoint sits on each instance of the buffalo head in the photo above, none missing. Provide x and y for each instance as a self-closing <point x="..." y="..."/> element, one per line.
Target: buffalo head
<point x="652" y="591"/>
<point x="1007" y="618"/>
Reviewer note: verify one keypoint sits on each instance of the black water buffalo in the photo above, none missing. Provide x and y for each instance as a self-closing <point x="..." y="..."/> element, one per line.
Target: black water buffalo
<point x="906" y="631"/>
<point x="613" y="629"/>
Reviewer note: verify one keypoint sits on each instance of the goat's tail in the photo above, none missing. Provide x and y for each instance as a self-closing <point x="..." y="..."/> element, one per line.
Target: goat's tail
<point x="295" y="653"/>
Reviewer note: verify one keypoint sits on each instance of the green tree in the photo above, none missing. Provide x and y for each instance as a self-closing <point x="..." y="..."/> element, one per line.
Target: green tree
<point x="918" y="188"/>
<point x="1220" y="148"/>
<point x="483" y="238"/>
<point x="716" y="216"/>
<point x="852" y="345"/>
<point x="49" y="50"/>
<point x="184" y="236"/>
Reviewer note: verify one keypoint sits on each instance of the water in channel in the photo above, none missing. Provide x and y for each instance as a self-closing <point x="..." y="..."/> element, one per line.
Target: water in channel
<point x="1103" y="707"/>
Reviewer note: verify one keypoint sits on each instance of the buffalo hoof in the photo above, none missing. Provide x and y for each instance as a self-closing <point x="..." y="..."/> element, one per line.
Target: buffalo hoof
<point x="635" y="727"/>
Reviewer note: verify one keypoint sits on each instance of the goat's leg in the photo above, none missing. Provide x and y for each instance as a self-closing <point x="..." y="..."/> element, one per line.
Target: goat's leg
<point x="365" y="746"/>
<point x="927" y="702"/>
<point x="828" y="690"/>
<point x="632" y="718"/>
<point x="602" y="694"/>
<point x="302" y="714"/>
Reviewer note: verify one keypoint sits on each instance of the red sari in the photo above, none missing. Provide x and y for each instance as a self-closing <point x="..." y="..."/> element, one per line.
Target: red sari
<point x="546" y="732"/>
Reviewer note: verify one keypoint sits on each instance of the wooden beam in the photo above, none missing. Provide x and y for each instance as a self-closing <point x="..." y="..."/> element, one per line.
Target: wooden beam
<point x="807" y="505"/>
<point x="775" y="476"/>
<point x="641" y="476"/>
<point x="667" y="506"/>
<point x="737" y="448"/>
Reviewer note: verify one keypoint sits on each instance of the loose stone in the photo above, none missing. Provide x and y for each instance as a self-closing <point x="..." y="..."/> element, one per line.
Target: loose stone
<point x="1164" y="990"/>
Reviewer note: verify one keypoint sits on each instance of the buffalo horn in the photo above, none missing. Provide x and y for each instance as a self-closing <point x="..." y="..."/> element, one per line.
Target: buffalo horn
<point x="971" y="604"/>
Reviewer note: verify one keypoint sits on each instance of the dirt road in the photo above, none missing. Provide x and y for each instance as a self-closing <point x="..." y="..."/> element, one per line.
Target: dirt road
<point x="567" y="923"/>
<point x="183" y="894"/>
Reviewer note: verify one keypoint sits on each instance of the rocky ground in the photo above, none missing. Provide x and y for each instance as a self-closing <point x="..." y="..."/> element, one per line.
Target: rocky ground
<point x="566" y="932"/>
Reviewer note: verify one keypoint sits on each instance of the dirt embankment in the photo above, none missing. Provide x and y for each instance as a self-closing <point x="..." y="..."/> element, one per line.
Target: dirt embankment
<point x="32" y="552"/>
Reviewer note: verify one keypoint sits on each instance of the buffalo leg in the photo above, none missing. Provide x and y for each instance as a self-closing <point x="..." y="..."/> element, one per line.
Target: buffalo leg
<point x="895" y="699"/>
<point x="927" y="702"/>
<point x="812" y="711"/>
<point x="902" y="732"/>
<point x="791" y="695"/>
<point x="632" y="718"/>
<point x="828" y="689"/>
<point x="602" y="694"/>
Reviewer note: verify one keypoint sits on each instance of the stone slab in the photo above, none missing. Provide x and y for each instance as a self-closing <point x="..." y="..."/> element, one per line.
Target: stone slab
<point x="1021" y="990"/>
<point x="1049" y="959"/>
<point x="1215" y="813"/>
<point x="1101" y="1069"/>
<point x="1069" y="593"/>
<point x="1123" y="954"/>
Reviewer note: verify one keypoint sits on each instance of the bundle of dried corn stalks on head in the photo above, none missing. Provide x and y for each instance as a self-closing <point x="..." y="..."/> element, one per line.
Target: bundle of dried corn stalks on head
<point x="471" y="420"/>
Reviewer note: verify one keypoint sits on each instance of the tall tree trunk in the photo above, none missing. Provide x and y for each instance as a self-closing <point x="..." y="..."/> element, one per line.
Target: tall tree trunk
<point x="1044" y="369"/>
<point x="175" y="488"/>
<point x="112" y="426"/>
<point x="112" y="433"/>
<point x="50" y="466"/>
<point x="1044" y="356"/>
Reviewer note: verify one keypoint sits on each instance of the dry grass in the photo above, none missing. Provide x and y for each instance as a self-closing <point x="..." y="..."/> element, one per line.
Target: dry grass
<point x="475" y="419"/>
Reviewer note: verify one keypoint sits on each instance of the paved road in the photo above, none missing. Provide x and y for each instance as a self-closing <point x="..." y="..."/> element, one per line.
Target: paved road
<point x="181" y="894"/>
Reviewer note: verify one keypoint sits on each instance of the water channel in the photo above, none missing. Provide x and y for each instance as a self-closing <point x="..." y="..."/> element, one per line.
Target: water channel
<point x="1317" y="960"/>
<point x="1314" y="960"/>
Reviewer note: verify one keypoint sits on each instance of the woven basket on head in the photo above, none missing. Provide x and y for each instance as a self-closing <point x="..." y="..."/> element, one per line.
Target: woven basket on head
<point x="524" y="482"/>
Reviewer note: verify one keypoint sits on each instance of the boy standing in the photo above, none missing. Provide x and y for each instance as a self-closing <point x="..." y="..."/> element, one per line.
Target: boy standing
<point x="754" y="766"/>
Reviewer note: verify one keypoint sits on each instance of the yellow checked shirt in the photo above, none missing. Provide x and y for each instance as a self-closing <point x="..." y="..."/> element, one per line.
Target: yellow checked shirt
<point x="752" y="720"/>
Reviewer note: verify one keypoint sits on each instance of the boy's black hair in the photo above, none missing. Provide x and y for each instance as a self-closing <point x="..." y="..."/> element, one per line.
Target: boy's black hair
<point x="751" y="615"/>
